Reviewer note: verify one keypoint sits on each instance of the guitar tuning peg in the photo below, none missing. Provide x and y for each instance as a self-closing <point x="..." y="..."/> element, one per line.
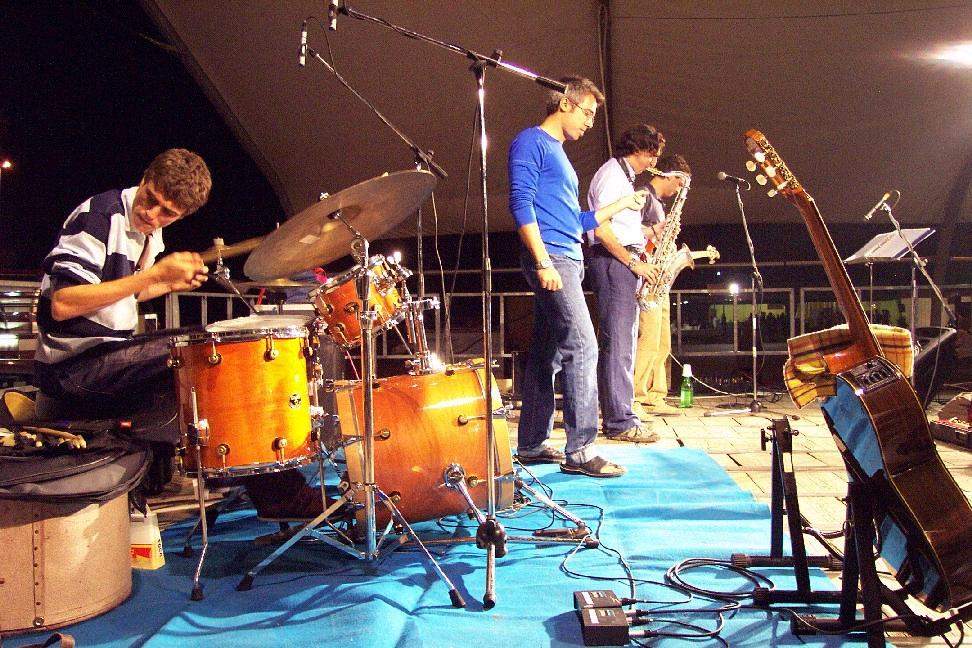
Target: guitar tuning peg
<point x="760" y="156"/>
<point x="750" y="165"/>
<point x="771" y="193"/>
<point x="770" y="171"/>
<point x="761" y="180"/>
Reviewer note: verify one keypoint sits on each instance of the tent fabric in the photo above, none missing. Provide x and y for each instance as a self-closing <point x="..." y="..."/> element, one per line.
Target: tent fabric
<point x="850" y="93"/>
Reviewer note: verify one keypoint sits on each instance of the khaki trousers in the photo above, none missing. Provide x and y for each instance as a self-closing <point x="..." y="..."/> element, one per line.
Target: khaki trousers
<point x="651" y="355"/>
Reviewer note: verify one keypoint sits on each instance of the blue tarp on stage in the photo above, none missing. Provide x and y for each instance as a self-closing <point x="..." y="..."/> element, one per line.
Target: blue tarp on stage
<point x="672" y="505"/>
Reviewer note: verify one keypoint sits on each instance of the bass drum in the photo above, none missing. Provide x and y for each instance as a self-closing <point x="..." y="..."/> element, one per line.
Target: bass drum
<point x="424" y="423"/>
<point x="250" y="380"/>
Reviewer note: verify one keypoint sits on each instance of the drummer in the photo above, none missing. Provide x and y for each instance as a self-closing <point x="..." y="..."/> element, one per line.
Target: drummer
<point x="87" y="363"/>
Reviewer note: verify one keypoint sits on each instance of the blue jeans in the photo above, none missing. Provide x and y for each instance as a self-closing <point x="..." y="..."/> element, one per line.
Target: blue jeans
<point x="563" y="340"/>
<point x="617" y="313"/>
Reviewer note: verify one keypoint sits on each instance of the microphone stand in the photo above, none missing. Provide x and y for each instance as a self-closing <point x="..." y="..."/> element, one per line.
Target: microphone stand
<point x="920" y="264"/>
<point x="422" y="157"/>
<point x="756" y="285"/>
<point x="490" y="535"/>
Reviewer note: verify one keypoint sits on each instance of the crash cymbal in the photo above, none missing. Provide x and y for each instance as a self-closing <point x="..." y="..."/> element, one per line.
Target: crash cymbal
<point x="312" y="237"/>
<point x="229" y="251"/>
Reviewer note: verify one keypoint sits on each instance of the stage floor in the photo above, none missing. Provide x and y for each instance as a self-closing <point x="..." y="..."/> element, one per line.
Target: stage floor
<point x="399" y="601"/>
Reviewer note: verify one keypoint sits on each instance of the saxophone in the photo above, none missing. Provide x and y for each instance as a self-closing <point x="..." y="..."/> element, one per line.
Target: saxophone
<point x="650" y="293"/>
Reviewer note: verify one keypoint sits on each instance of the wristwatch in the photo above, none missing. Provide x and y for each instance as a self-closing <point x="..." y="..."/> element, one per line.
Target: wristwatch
<point x="544" y="264"/>
<point x="633" y="260"/>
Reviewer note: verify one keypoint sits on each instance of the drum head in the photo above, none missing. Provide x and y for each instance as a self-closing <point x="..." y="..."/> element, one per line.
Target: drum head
<point x="282" y="326"/>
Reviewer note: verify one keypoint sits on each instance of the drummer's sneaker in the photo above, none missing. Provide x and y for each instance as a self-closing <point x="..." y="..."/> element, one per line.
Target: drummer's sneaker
<point x="543" y="454"/>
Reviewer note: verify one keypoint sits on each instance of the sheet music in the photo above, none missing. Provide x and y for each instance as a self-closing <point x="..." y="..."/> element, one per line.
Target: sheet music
<point x="889" y="246"/>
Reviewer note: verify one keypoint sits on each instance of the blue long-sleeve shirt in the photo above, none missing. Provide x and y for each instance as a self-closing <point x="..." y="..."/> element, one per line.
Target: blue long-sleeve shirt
<point x="544" y="190"/>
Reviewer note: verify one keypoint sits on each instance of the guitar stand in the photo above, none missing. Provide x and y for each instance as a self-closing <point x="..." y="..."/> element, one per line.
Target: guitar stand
<point x="860" y="582"/>
<point x="784" y="501"/>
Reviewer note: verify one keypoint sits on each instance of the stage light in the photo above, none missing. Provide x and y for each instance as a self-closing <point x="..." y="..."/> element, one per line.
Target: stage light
<point x="6" y="164"/>
<point x="733" y="289"/>
<point x="959" y="54"/>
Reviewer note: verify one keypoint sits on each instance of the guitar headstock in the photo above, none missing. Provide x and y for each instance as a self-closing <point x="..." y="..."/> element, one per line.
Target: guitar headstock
<point x="771" y="167"/>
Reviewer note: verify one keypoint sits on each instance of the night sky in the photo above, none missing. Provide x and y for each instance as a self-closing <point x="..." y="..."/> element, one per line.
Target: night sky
<point x="86" y="101"/>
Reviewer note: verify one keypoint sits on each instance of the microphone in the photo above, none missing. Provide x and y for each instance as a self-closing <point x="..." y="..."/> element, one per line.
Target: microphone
<point x="302" y="57"/>
<point x="736" y="180"/>
<point x="332" y="14"/>
<point x="880" y="203"/>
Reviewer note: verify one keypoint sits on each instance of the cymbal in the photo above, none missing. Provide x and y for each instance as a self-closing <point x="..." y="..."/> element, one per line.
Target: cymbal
<point x="313" y="238"/>
<point x="229" y="251"/>
<point x="276" y="283"/>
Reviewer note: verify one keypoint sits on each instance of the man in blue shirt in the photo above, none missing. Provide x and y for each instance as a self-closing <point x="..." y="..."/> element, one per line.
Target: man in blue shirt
<point x="544" y="203"/>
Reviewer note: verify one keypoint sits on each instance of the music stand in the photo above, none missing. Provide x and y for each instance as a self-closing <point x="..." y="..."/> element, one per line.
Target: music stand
<point x="885" y="248"/>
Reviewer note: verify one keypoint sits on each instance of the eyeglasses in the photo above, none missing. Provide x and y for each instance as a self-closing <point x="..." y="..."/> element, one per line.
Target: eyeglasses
<point x="588" y="113"/>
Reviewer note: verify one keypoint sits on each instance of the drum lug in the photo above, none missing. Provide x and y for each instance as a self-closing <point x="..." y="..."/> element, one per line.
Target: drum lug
<point x="280" y="446"/>
<point x="295" y="401"/>
<point x="499" y="413"/>
<point x="383" y="434"/>
<point x="214" y="358"/>
<point x="352" y="308"/>
<point x="271" y="353"/>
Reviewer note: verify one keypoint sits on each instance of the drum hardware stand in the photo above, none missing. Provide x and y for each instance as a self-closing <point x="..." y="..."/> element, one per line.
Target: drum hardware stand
<point x="491" y="532"/>
<point x="221" y="275"/>
<point x="198" y="434"/>
<point x="784" y="501"/>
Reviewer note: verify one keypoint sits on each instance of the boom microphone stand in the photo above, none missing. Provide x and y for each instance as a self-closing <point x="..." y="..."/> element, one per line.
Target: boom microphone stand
<point x="490" y="535"/>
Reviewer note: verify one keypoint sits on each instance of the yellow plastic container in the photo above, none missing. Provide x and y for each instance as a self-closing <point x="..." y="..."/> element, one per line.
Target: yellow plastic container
<point x="146" y="541"/>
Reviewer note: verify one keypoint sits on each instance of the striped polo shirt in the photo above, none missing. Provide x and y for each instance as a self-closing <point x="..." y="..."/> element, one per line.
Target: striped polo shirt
<point x="97" y="243"/>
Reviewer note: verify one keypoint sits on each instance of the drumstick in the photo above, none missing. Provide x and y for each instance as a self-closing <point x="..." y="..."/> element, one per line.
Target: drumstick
<point x="74" y="440"/>
<point x="227" y="251"/>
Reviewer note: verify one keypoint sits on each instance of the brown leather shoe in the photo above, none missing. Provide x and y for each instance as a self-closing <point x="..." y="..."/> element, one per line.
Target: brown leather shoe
<point x="545" y="455"/>
<point x="596" y="467"/>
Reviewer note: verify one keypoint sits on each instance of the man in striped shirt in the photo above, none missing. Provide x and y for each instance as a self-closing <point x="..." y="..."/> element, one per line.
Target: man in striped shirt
<point x="87" y="364"/>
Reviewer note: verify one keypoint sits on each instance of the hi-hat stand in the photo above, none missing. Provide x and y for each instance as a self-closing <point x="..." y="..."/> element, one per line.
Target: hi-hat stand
<point x="491" y="533"/>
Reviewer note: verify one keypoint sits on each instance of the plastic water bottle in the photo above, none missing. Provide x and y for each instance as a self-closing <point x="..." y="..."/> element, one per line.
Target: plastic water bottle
<point x="687" y="392"/>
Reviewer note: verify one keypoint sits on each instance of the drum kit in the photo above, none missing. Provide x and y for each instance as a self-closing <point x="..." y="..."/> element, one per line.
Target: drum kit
<point x="414" y="444"/>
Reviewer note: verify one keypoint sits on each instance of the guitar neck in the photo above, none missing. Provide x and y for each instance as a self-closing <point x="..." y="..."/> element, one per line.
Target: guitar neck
<point x="847" y="299"/>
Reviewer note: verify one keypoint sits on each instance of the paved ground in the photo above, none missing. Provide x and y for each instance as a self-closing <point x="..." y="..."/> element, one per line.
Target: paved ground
<point x="734" y="442"/>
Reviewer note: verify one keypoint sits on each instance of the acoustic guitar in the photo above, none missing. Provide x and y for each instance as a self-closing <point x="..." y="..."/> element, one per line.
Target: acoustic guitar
<point x="922" y="518"/>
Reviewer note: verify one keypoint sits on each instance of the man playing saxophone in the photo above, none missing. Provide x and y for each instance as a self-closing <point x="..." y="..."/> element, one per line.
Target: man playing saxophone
<point x="654" y="338"/>
<point x="616" y="270"/>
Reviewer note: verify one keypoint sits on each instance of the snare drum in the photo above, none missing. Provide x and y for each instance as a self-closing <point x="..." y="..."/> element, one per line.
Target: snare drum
<point x="337" y="303"/>
<point x="250" y="379"/>
<point x="422" y="424"/>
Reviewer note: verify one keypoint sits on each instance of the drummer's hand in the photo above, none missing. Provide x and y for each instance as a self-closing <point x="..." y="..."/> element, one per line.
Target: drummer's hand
<point x="181" y="271"/>
<point x="550" y="279"/>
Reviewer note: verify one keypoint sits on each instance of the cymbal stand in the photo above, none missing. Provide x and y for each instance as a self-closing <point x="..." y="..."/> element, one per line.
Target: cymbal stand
<point x="491" y="531"/>
<point x="370" y="489"/>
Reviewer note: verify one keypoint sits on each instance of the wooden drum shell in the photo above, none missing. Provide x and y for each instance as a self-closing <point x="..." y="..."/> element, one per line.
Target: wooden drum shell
<point x="431" y="421"/>
<point x="254" y="399"/>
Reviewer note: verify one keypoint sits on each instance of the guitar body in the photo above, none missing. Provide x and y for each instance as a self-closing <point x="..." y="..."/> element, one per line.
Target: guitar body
<point x="923" y="518"/>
